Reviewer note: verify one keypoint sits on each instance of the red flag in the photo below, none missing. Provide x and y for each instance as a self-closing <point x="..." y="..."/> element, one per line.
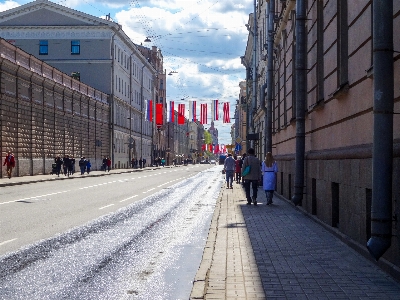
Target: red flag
<point x="171" y="112"/>
<point x="210" y="147"/>
<point x="203" y="147"/>
<point x="226" y="118"/>
<point x="181" y="114"/>
<point x="203" y="113"/>
<point x="159" y="115"/>
<point x="216" y="149"/>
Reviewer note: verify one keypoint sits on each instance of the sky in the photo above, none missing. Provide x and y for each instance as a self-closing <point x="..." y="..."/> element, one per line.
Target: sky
<point x="201" y="40"/>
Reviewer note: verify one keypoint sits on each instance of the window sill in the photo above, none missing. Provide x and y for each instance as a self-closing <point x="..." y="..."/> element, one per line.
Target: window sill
<point x="370" y="72"/>
<point x="317" y="105"/>
<point x="341" y="91"/>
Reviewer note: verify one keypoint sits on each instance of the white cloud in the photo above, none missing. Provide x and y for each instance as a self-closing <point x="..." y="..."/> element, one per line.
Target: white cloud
<point x="8" y="5"/>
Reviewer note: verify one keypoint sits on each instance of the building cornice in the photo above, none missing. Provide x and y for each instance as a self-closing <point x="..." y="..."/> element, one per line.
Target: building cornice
<point x="55" y="32"/>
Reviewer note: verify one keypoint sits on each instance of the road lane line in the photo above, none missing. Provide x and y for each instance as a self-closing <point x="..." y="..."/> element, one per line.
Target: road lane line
<point x="6" y="242"/>
<point x="106" y="206"/>
<point x="128" y="198"/>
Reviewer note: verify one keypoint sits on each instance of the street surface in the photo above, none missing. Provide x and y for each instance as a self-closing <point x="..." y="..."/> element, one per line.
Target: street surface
<point x="136" y="235"/>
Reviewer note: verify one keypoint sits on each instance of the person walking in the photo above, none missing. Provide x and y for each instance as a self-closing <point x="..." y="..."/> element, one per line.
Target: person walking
<point x="59" y="162"/>
<point x="252" y="178"/>
<point x="108" y="164"/>
<point x="105" y="164"/>
<point x="238" y="169"/>
<point x="71" y="166"/>
<point x="269" y="169"/>
<point x="9" y="162"/>
<point x="82" y="165"/>
<point x="88" y="166"/>
<point x="66" y="162"/>
<point x="229" y="167"/>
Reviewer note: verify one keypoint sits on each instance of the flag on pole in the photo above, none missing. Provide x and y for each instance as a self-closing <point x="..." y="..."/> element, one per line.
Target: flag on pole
<point x="171" y="112"/>
<point x="226" y="118"/>
<point x="214" y="110"/>
<point x="203" y="113"/>
<point x="149" y="110"/>
<point x="181" y="114"/>
<point x="216" y="149"/>
<point x="192" y="111"/>
<point x="159" y="115"/>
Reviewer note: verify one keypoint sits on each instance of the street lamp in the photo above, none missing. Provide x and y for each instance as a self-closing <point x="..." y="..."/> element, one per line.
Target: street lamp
<point x="142" y="115"/>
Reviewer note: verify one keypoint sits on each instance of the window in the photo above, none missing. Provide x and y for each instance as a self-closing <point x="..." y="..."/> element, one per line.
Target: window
<point x="43" y="47"/>
<point x="320" y="51"/>
<point x="75" y="47"/>
<point x="342" y="44"/>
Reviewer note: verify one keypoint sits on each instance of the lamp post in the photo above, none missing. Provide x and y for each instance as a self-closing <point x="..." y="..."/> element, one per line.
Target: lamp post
<point x="141" y="117"/>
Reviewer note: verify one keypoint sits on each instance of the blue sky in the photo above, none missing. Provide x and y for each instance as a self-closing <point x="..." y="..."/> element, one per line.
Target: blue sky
<point x="201" y="40"/>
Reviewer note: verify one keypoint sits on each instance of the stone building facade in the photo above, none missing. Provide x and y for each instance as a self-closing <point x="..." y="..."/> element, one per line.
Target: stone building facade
<point x="339" y="111"/>
<point x="45" y="113"/>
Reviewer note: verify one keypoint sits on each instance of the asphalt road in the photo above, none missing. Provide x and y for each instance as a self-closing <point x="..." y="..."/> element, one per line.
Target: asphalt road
<point x="126" y="230"/>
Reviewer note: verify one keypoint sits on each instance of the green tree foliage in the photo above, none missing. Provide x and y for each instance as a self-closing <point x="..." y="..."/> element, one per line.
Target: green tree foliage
<point x="207" y="137"/>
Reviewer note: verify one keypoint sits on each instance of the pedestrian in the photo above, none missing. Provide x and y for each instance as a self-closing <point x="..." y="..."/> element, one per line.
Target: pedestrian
<point x="10" y="162"/>
<point x="88" y="166"/>
<point x="140" y="163"/>
<point x="229" y="167"/>
<point x="71" y="167"/>
<point x="108" y="164"/>
<point x="82" y="165"/>
<point x="133" y="163"/>
<point x="144" y="162"/>
<point x="269" y="169"/>
<point x="66" y="162"/>
<point x="252" y="178"/>
<point x="59" y="162"/>
<point x="104" y="165"/>
<point x="241" y="166"/>
<point x="163" y="162"/>
<point x="238" y="169"/>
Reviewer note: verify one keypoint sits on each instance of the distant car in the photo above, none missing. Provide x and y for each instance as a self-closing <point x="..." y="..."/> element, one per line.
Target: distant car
<point x="213" y="161"/>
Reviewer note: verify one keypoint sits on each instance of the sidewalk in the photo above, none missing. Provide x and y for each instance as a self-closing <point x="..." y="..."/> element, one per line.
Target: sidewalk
<point x="278" y="252"/>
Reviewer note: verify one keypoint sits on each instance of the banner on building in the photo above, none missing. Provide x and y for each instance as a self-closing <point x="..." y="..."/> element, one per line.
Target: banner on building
<point x="149" y="110"/>
<point x="159" y="115"/>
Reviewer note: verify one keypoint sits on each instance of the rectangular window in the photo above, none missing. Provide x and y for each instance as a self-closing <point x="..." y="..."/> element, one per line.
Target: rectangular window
<point x="320" y="51"/>
<point x="43" y="47"/>
<point x="342" y="44"/>
<point x="75" y="47"/>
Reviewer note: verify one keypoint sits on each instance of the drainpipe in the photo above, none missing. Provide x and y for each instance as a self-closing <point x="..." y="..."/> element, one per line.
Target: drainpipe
<point x="254" y="91"/>
<point x="270" y="74"/>
<point x="382" y="153"/>
<point x="301" y="95"/>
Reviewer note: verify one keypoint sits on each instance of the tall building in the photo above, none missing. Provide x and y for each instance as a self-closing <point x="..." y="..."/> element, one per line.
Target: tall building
<point x="321" y="88"/>
<point x="97" y="52"/>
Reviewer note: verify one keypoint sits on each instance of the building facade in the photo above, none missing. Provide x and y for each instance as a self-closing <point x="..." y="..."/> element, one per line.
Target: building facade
<point x="101" y="55"/>
<point x="45" y="113"/>
<point x="337" y="93"/>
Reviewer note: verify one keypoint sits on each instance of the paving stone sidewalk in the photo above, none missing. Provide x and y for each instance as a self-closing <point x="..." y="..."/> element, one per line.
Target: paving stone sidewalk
<point x="278" y="252"/>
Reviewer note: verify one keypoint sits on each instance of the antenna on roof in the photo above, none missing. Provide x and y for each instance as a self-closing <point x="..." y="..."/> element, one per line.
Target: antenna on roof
<point x="108" y="17"/>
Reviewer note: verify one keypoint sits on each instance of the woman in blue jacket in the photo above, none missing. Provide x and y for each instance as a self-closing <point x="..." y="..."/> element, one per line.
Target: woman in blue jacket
<point x="269" y="168"/>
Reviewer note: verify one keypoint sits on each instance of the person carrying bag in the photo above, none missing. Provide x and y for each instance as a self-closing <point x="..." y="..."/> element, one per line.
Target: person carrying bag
<point x="251" y="175"/>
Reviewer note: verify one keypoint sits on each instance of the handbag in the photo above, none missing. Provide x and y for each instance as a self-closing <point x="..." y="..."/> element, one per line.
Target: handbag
<point x="246" y="170"/>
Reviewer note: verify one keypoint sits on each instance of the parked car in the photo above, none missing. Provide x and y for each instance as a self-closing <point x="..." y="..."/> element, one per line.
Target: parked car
<point x="213" y="162"/>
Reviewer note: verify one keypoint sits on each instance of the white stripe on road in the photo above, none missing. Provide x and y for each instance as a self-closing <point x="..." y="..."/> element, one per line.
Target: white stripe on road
<point x="106" y="206"/>
<point x="128" y="198"/>
<point x="149" y="190"/>
<point x="33" y="198"/>
<point x="6" y="242"/>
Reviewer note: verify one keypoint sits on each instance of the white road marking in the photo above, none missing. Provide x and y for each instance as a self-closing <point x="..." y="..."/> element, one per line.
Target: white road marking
<point x="106" y="206"/>
<point x="128" y="198"/>
<point x="33" y="198"/>
<point x="149" y="190"/>
<point x="6" y="242"/>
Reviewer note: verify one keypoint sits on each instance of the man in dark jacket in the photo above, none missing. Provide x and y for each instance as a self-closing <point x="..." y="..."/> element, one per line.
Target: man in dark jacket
<point x="253" y="177"/>
<point x="82" y="165"/>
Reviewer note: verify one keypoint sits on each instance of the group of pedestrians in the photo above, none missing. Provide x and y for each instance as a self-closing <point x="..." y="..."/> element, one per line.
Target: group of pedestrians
<point x="159" y="162"/>
<point x="253" y="173"/>
<point x="67" y="164"/>
<point x="106" y="164"/>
